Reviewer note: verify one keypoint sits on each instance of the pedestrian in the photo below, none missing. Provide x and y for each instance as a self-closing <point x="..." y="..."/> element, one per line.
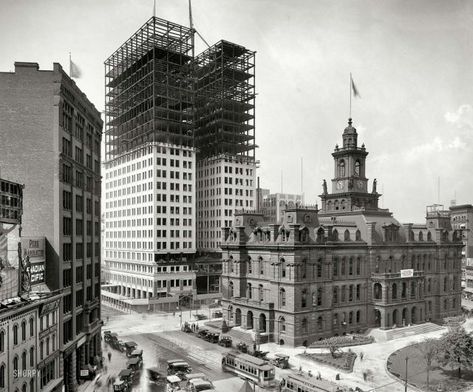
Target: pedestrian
<point x="361" y="355"/>
<point x="109" y="355"/>
<point x="365" y="376"/>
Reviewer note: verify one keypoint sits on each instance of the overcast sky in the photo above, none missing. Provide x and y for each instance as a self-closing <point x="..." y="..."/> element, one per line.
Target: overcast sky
<point x="412" y="62"/>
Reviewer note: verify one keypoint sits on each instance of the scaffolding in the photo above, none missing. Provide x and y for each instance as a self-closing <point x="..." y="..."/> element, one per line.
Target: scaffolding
<point x="149" y="89"/>
<point x="225" y="101"/>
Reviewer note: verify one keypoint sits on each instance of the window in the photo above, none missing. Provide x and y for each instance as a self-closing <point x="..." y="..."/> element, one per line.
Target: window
<point x="23" y="330"/>
<point x="282" y="297"/>
<point x="304" y="325"/>
<point x="31" y="356"/>
<point x="15" y="363"/>
<point x="335" y="267"/>
<point x="15" y="334"/>
<point x="341" y="168"/>
<point x="23" y="360"/>
<point x="2" y="376"/>
<point x="319" y="268"/>
<point x="304" y="298"/>
<point x="357" y="168"/>
<point x="31" y="327"/>
<point x="2" y="341"/>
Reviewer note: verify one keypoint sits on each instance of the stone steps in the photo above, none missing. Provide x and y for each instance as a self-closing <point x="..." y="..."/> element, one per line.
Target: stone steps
<point x="397" y="333"/>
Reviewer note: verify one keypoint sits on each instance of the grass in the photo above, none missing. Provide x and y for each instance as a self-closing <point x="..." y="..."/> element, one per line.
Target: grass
<point x="343" y="360"/>
<point x="441" y="378"/>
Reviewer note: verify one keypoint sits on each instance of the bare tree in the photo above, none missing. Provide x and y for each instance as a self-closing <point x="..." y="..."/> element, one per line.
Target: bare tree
<point x="429" y="350"/>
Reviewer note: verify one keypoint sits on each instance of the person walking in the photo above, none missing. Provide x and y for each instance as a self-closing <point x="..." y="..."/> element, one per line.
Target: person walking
<point x="109" y="355"/>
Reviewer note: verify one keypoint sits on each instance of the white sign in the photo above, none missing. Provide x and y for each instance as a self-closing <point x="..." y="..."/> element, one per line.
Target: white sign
<point x="84" y="373"/>
<point x="407" y="273"/>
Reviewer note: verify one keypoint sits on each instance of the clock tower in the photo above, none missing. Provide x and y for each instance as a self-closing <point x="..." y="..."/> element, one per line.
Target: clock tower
<point x="349" y="185"/>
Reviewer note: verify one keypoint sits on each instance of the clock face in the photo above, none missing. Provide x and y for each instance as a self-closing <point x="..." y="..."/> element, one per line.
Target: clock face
<point x="339" y="184"/>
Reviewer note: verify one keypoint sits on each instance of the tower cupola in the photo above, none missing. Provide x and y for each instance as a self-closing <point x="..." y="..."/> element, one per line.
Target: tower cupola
<point x="350" y="137"/>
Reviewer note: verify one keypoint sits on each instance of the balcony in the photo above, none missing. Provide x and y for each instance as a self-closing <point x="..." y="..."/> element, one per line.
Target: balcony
<point x="253" y="303"/>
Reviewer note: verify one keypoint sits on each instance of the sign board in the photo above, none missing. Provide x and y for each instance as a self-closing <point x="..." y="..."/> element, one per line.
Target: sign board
<point x="407" y="273"/>
<point x="34" y="248"/>
<point x="84" y="373"/>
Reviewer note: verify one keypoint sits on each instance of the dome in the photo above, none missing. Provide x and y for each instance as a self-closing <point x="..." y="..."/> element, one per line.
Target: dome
<point x="349" y="129"/>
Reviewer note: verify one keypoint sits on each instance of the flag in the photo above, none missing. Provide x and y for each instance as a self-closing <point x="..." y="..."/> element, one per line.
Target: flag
<point x="356" y="93"/>
<point x="74" y="70"/>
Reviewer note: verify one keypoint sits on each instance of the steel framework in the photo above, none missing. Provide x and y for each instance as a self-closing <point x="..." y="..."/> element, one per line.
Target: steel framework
<point x="225" y="101"/>
<point x="148" y="86"/>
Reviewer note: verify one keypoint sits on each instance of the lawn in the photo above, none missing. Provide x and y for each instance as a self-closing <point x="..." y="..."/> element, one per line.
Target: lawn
<point x="441" y="378"/>
<point x="342" y="360"/>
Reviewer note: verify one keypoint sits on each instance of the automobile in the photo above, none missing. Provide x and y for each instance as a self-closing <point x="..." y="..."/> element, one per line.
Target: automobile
<point x="121" y="346"/>
<point x="154" y="375"/>
<point x="217" y="314"/>
<point x="134" y="364"/>
<point x="212" y="337"/>
<point x="186" y="327"/>
<point x="200" y="316"/>
<point x="178" y="367"/>
<point x="199" y="384"/>
<point x="243" y="347"/>
<point x="225" y="341"/>
<point x="203" y="333"/>
<point x="120" y="386"/>
<point x="260" y="354"/>
<point x="280" y="361"/>
<point x="130" y="347"/>
<point x="137" y="354"/>
<point x="126" y="375"/>
<point x="106" y="336"/>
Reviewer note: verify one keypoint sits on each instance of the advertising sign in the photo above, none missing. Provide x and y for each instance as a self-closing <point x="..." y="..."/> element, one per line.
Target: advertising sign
<point x="34" y="249"/>
<point x="407" y="273"/>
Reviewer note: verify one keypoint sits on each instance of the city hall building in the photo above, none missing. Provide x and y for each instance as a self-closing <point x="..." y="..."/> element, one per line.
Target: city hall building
<point x="340" y="269"/>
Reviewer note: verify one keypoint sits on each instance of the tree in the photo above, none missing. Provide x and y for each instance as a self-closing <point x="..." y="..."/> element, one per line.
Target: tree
<point x="333" y="344"/>
<point x="429" y="349"/>
<point x="456" y="349"/>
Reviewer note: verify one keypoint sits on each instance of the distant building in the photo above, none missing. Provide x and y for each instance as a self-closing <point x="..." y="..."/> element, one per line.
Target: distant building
<point x="273" y="205"/>
<point x="50" y="142"/>
<point x="462" y="219"/>
<point x="342" y="269"/>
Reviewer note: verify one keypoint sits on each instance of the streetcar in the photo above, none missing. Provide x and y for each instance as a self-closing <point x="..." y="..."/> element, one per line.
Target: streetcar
<point x="257" y="370"/>
<point x="303" y="383"/>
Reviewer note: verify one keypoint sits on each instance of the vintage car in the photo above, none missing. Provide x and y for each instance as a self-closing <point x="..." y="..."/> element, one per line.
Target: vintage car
<point x="225" y="341"/>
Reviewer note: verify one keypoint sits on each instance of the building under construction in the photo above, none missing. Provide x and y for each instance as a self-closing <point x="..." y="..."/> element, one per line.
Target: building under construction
<point x="225" y="101"/>
<point x="149" y="89"/>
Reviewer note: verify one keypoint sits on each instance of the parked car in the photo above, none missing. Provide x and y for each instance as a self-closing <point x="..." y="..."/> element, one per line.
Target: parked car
<point x="212" y="337"/>
<point x="225" y="341"/>
<point x="202" y="333"/>
<point x="243" y="347"/>
<point x="260" y="354"/>
<point x="217" y="314"/>
<point x="200" y="316"/>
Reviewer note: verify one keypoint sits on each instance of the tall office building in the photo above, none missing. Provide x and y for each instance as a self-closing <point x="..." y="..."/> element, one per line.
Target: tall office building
<point x="50" y="142"/>
<point x="150" y="161"/>
<point x="225" y="137"/>
<point x="170" y="116"/>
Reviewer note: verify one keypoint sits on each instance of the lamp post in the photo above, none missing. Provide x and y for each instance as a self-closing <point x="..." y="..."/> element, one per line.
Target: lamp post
<point x="405" y="385"/>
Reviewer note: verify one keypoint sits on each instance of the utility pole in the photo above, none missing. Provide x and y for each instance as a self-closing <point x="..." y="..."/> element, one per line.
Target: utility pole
<point x="405" y="385"/>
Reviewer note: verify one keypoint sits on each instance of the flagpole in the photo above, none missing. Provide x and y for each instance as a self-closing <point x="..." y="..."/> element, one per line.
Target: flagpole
<point x="349" y="85"/>
<point x="70" y="65"/>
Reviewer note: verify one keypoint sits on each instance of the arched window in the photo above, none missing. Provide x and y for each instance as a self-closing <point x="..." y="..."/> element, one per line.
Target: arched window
<point x="260" y="292"/>
<point x="261" y="265"/>
<point x="319" y="268"/>
<point x="23" y="330"/>
<point x="15" y="363"/>
<point x="282" y="297"/>
<point x="283" y="267"/>
<point x="31" y="356"/>
<point x="350" y="266"/>
<point x="15" y="334"/>
<point x="358" y="292"/>
<point x="249" y="290"/>
<point x="413" y="289"/>
<point x="230" y="289"/>
<point x="421" y="236"/>
<point x="23" y="388"/>
<point x="358" y="316"/>
<point x="394" y="290"/>
<point x="358" y="235"/>
<point x="304" y="298"/>
<point x="429" y="236"/>
<point x="282" y="324"/>
<point x="319" y="296"/>
<point x="358" y="266"/>
<point x="350" y="293"/>
<point x="346" y="235"/>
<point x="357" y="168"/>
<point x="343" y="266"/>
<point x="341" y="168"/>
<point x="350" y="318"/>
<point x="250" y="265"/>
<point x="404" y="290"/>
<point x="335" y="294"/>
<point x="304" y="325"/>
<point x="2" y="341"/>
<point x="2" y="375"/>
<point x="335" y="235"/>
<point x="377" y="291"/>
<point x="320" y="323"/>
<point x="31" y="327"/>
<point x="335" y="266"/>
<point x="320" y="235"/>
<point x="23" y="360"/>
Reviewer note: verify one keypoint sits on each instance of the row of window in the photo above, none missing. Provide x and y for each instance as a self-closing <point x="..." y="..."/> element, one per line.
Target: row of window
<point x="79" y="246"/>
<point x="79" y="204"/>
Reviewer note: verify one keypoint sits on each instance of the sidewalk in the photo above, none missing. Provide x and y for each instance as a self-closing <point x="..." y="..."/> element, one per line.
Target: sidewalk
<point x="111" y="369"/>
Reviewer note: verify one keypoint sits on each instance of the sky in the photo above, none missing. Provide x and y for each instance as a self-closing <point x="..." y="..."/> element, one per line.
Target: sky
<point x="411" y="61"/>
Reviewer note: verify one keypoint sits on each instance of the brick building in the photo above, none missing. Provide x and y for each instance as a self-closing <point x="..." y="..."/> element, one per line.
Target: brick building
<point x="344" y="268"/>
<point x="50" y="142"/>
